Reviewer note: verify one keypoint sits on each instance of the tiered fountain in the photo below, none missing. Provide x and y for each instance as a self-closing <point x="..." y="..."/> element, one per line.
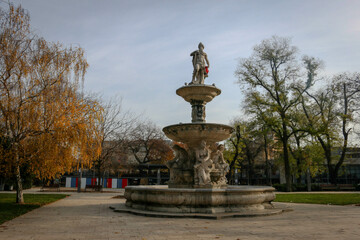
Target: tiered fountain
<point x="198" y="185"/>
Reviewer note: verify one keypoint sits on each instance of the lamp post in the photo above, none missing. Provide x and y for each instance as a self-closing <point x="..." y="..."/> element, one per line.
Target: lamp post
<point x="236" y="176"/>
<point x="158" y="177"/>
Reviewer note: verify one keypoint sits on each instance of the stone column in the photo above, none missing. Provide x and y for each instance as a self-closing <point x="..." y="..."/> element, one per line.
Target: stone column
<point x="198" y="111"/>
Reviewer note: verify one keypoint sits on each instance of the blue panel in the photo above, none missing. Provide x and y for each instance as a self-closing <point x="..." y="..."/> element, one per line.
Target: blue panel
<point x="105" y="182"/>
<point x="73" y="182"/>
<point x="119" y="183"/>
<point x="88" y="181"/>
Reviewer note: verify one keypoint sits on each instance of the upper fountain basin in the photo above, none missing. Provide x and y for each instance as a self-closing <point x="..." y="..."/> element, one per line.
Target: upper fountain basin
<point x="194" y="133"/>
<point x="198" y="92"/>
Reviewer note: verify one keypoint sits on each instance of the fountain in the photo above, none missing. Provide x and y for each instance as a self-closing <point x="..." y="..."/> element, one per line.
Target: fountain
<point x="198" y="185"/>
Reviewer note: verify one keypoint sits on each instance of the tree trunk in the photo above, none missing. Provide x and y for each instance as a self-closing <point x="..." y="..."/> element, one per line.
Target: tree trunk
<point x="284" y="139"/>
<point x="79" y="181"/>
<point x="330" y="167"/>
<point x="345" y="133"/>
<point x="231" y="168"/>
<point x="332" y="175"/>
<point x="229" y="176"/>
<point x="267" y="163"/>
<point x="287" y="166"/>
<point x="19" y="190"/>
<point x="98" y="170"/>
<point x="308" y="179"/>
<point x="299" y="172"/>
<point x="250" y="173"/>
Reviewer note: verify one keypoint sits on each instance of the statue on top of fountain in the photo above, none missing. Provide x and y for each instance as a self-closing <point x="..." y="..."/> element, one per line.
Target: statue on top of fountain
<point x="199" y="57"/>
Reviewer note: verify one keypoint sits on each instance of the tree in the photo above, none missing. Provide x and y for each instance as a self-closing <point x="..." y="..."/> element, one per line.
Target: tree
<point x="268" y="78"/>
<point x="249" y="140"/>
<point x="46" y="123"/>
<point x="354" y="85"/>
<point x="329" y="113"/>
<point x="253" y="145"/>
<point x="298" y="142"/>
<point x="305" y="151"/>
<point x="147" y="144"/>
<point x="268" y="148"/>
<point x="233" y="151"/>
<point x="114" y="127"/>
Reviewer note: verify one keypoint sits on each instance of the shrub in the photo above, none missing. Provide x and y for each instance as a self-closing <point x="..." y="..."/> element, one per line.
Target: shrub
<point x="296" y="187"/>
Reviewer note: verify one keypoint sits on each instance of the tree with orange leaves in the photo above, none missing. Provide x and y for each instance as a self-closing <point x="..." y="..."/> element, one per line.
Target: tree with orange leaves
<point x="47" y="126"/>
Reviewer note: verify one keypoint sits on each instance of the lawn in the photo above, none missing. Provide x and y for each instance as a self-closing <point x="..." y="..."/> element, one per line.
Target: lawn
<point x="320" y="198"/>
<point x="9" y="209"/>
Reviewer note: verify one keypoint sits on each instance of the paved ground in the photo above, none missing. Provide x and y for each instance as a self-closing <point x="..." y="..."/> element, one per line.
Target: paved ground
<point x="87" y="216"/>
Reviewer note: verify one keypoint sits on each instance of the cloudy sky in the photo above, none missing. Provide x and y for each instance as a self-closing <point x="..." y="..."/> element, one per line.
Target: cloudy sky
<point x="140" y="49"/>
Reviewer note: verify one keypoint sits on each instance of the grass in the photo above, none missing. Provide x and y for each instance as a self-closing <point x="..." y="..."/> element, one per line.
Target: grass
<point x="9" y="209"/>
<point x="321" y="198"/>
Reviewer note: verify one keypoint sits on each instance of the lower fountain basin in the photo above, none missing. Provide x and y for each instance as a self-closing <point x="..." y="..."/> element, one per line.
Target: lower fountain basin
<point x="193" y="133"/>
<point x="186" y="200"/>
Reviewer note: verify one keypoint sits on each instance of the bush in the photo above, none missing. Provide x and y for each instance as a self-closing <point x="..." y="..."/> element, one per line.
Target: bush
<point x="299" y="187"/>
<point x="315" y="187"/>
<point x="296" y="187"/>
<point x="280" y="187"/>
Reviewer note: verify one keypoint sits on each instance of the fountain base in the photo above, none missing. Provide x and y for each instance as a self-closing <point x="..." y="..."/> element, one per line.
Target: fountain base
<point x="230" y="199"/>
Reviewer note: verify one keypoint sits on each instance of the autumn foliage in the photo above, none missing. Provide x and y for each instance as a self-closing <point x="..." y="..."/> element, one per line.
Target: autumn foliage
<point x="47" y="125"/>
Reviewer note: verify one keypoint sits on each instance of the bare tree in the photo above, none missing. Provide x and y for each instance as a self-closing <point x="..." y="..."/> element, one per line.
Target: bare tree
<point x="147" y="144"/>
<point x="115" y="126"/>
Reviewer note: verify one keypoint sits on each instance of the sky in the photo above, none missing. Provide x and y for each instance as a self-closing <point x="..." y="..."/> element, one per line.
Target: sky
<point x="140" y="49"/>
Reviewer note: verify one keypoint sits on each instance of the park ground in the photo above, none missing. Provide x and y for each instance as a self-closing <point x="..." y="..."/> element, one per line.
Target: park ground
<point x="87" y="216"/>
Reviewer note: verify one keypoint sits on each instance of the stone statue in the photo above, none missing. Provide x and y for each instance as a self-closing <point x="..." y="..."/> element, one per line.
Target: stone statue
<point x="181" y="159"/>
<point x="220" y="164"/>
<point x="203" y="165"/>
<point x="199" y="57"/>
<point x="178" y="166"/>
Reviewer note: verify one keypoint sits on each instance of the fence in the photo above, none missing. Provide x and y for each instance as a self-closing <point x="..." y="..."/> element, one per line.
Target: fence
<point x="72" y="182"/>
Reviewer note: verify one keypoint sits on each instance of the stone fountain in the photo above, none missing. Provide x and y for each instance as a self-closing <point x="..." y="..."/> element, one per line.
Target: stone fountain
<point x="198" y="185"/>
